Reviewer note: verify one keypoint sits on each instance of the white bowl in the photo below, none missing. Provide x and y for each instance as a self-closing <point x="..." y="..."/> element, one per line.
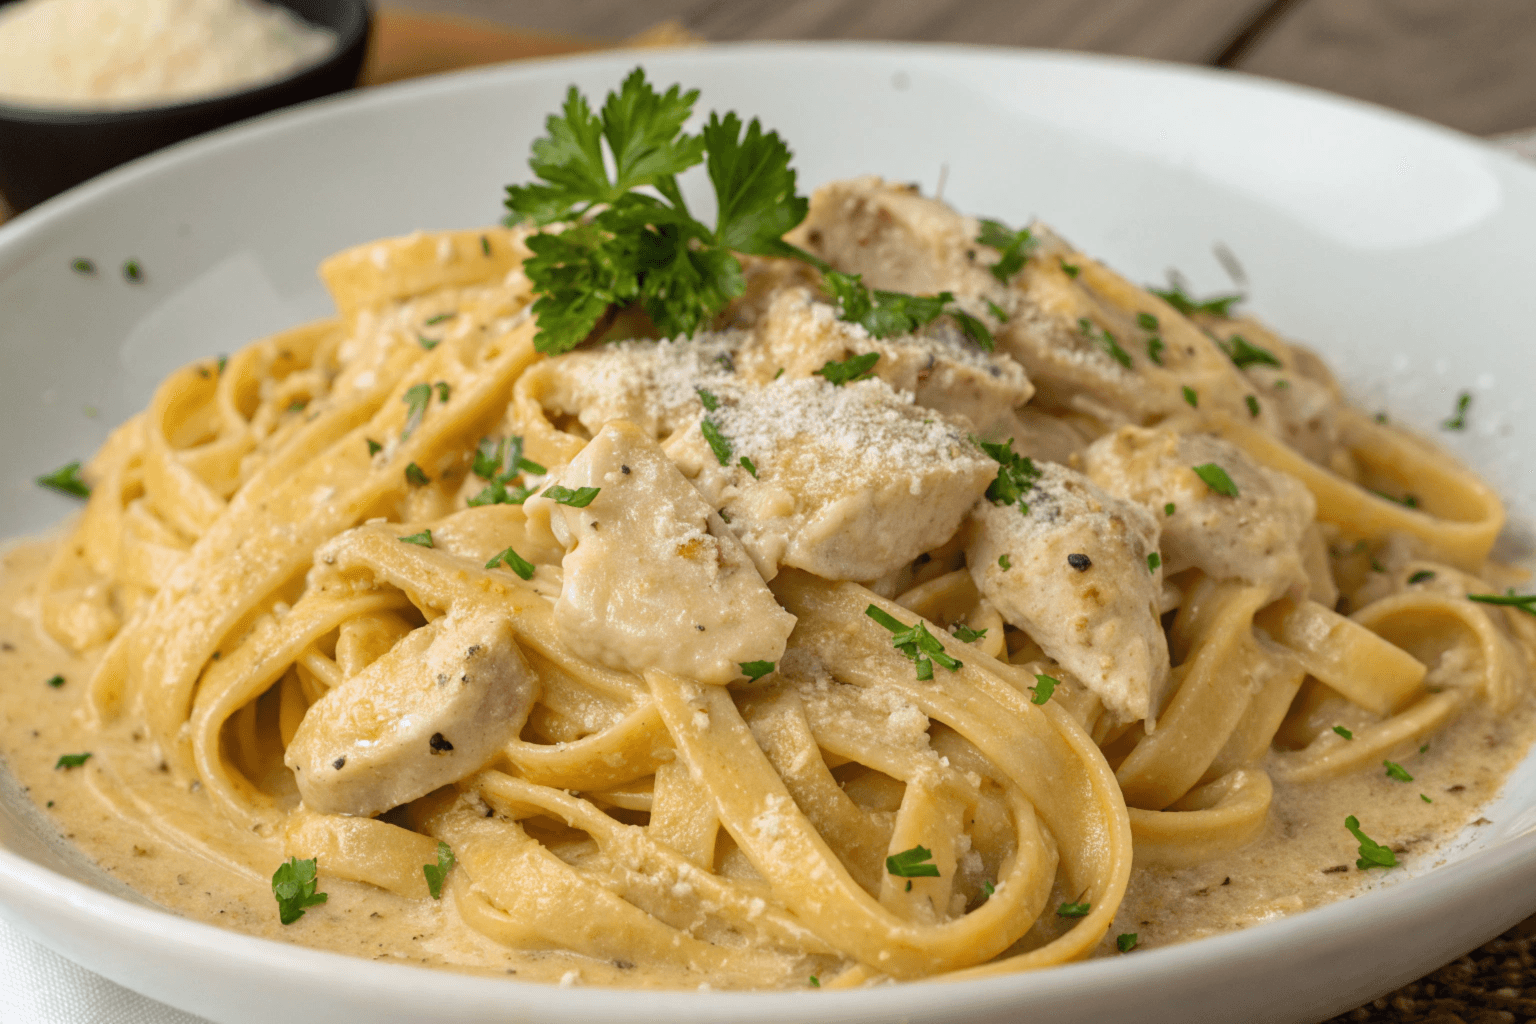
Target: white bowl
<point x="1400" y="249"/>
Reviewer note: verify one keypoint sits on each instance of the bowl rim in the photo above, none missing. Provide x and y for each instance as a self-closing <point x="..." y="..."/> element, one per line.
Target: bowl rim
<point x="347" y="40"/>
<point x="1332" y="932"/>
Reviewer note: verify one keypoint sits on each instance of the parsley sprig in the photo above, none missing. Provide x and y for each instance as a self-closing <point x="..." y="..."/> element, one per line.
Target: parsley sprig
<point x="1175" y="296"/>
<point x="293" y="885"/>
<point x="884" y="313"/>
<point x="919" y="645"/>
<point x="1016" y="475"/>
<point x="1372" y="853"/>
<point x="849" y="370"/>
<point x="1012" y="246"/>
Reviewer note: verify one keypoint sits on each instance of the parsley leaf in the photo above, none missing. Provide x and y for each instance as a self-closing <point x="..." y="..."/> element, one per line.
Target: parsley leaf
<point x="815" y="982"/>
<point x="851" y="369"/>
<point x="718" y="442"/>
<point x="1216" y="479"/>
<point x="1044" y="686"/>
<point x="1070" y="269"/>
<point x="1524" y="602"/>
<point x="884" y="314"/>
<point x="748" y="465"/>
<point x="581" y="497"/>
<point x="1146" y="321"/>
<point x="1155" y="348"/>
<point x="1013" y="247"/>
<point x="1154" y="561"/>
<point x="1004" y="562"/>
<point x="56" y="682"/>
<point x="1244" y="353"/>
<point x="416" y="398"/>
<point x="72" y="760"/>
<point x="1253" y="405"/>
<point x="66" y="480"/>
<point x="1397" y="771"/>
<point x="428" y="343"/>
<point x="373" y="446"/>
<point x="512" y="560"/>
<point x="754" y="186"/>
<point x="293" y="885"/>
<point x="498" y="493"/>
<point x="437" y="873"/>
<point x="965" y="634"/>
<point x="1421" y="576"/>
<point x="423" y="539"/>
<point x="919" y="645"/>
<point x="1343" y="732"/>
<point x="1372" y="853"/>
<point x="755" y="670"/>
<point x="1459" y="421"/>
<point x="708" y="399"/>
<point x="1107" y="340"/>
<point x="1192" y="397"/>
<point x="1125" y="942"/>
<point x="1169" y="509"/>
<point x="914" y="863"/>
<point x="1016" y="474"/>
<point x="415" y="477"/>
<point x="1074" y="909"/>
<point x="1219" y="305"/>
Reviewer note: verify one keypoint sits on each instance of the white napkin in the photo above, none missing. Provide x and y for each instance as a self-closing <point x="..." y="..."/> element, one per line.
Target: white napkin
<point x="37" y="986"/>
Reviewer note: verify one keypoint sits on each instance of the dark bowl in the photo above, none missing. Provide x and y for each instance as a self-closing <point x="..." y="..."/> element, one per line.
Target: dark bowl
<point x="44" y="151"/>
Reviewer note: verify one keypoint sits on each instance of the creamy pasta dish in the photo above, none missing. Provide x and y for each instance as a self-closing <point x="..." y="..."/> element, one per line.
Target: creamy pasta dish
<point x="925" y="599"/>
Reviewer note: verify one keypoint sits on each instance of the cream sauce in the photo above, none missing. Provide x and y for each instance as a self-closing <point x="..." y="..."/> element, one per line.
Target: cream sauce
<point x="122" y="810"/>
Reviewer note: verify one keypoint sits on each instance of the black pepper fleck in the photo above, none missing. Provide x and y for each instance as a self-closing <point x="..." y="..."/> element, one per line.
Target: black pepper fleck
<point x="438" y="744"/>
<point x="624" y="470"/>
<point x="340" y="762"/>
<point x="1082" y="563"/>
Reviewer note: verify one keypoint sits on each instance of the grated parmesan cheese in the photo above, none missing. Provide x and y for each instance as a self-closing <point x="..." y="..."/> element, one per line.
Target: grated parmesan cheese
<point x="130" y="53"/>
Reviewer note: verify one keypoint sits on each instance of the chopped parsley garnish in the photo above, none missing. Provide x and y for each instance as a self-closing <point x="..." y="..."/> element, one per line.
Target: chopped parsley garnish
<point x="1073" y="909"/>
<point x="1396" y="771"/>
<point x="424" y="538"/>
<point x="434" y="320"/>
<point x="748" y="465"/>
<point x="1169" y="509"/>
<point x="416" y="398"/>
<point x="83" y="266"/>
<point x="718" y="442"/>
<point x="1216" y="479"/>
<point x="293" y="885"/>
<point x="512" y="560"/>
<point x="1253" y="405"/>
<point x="1125" y="942"/>
<point x="415" y="477"/>
<point x="1044" y="686"/>
<point x="485" y="245"/>
<point x="373" y="446"/>
<point x="298" y="404"/>
<point x="708" y="399"/>
<point x="1070" y="269"/>
<point x="988" y="888"/>
<point x="623" y="246"/>
<point x="1407" y="500"/>
<point x="884" y="313"/>
<point x="815" y="982"/>
<point x="1372" y="853"/>
<point x="66" y="480"/>
<point x="1146" y="321"/>
<point x="427" y="343"/>
<point x="998" y="312"/>
<point x="965" y="634"/>
<point x="1012" y="246"/>
<point x="1155" y="348"/>
<point x="1192" y="397"/>
<point x="1154" y="560"/>
<point x="1524" y="602"/>
<point x="442" y="391"/>
<point x="1380" y="417"/>
<point x="914" y="863"/>
<point x="581" y="497"/>
<point x="1219" y="305"/>
<point x="1107" y="340"/>
<point x="1004" y="562"/>
<point x="132" y="271"/>
<point x="1016" y="474"/>
<point x="755" y="670"/>
<point x="1343" y="732"/>
<point x="1244" y="353"/>
<point x="1425" y="798"/>
<point x="72" y="760"/>
<point x="1459" y="421"/>
<point x="498" y="493"/>
<point x="500" y="461"/>
<point x="436" y="873"/>
<point x="851" y="369"/>
<point x="1421" y="576"/>
<point x="56" y="682"/>
<point x="919" y="645"/>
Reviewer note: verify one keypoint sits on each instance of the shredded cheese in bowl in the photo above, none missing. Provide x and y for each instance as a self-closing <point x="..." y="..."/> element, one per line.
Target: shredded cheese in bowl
<point x="132" y="53"/>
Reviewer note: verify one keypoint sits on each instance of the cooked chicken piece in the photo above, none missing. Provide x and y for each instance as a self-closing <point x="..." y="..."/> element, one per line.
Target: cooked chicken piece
<point x="1255" y="536"/>
<point x="1090" y="341"/>
<point x="940" y="367"/>
<point x="1071" y="570"/>
<point x="653" y="578"/>
<point x="849" y="482"/>
<point x="434" y="710"/>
